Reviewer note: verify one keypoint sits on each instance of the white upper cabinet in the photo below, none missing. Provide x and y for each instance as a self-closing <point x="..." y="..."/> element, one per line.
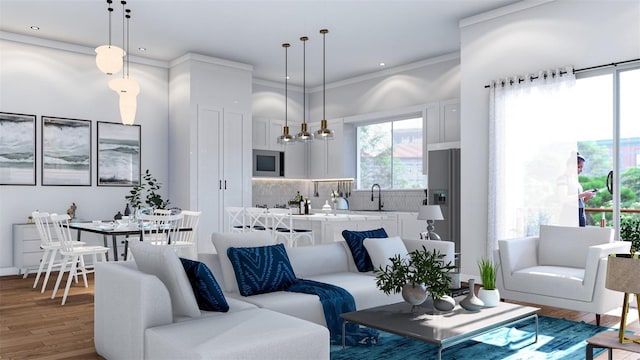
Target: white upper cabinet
<point x="265" y="133"/>
<point x="335" y="158"/>
<point x="443" y="125"/>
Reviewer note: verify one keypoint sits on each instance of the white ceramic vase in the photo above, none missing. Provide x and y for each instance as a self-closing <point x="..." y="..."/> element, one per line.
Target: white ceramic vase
<point x="490" y="298"/>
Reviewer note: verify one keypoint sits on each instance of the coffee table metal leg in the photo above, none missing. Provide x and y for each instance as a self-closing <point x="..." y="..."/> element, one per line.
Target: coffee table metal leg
<point x="344" y="328"/>
<point x="536" y="340"/>
<point x="440" y="352"/>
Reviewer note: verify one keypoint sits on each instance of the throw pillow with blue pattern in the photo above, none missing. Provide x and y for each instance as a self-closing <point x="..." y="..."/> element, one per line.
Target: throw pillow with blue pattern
<point x="355" y="241"/>
<point x="261" y="269"/>
<point x="205" y="287"/>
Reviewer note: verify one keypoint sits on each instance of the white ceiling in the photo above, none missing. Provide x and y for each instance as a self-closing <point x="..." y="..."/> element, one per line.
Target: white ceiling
<point x="362" y="33"/>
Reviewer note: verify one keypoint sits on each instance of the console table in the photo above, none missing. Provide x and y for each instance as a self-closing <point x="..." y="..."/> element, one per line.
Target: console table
<point x="609" y="340"/>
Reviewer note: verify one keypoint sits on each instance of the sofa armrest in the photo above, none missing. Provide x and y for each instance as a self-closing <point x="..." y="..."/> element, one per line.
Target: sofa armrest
<point x="518" y="253"/>
<point x="127" y="302"/>
<point x="444" y="247"/>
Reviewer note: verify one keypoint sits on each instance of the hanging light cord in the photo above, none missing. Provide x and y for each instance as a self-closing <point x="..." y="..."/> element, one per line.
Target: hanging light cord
<point x="123" y="32"/>
<point x="286" y="80"/>
<point x="324" y="32"/>
<point x="304" y="78"/>
<point x="110" y="10"/>
<point x="128" y="16"/>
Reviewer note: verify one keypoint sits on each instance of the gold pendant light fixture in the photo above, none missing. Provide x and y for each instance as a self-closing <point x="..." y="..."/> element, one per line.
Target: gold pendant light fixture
<point x="127" y="88"/>
<point x="285" y="138"/>
<point x="324" y="132"/>
<point x="304" y="136"/>
<point x="109" y="57"/>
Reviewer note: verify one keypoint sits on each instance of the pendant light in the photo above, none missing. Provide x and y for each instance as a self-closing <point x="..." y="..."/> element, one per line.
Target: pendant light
<point x="304" y="136"/>
<point x="285" y="138"/>
<point x="109" y="57"/>
<point x="324" y="132"/>
<point x="126" y="88"/>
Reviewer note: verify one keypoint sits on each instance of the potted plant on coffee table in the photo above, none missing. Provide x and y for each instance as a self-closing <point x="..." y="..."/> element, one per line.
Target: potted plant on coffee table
<point x="419" y="274"/>
<point x="488" y="293"/>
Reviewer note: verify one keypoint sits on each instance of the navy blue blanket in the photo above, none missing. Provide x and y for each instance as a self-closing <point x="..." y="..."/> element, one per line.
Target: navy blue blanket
<point x="335" y="301"/>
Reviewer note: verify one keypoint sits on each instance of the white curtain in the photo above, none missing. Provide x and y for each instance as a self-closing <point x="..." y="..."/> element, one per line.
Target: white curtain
<point x="532" y="155"/>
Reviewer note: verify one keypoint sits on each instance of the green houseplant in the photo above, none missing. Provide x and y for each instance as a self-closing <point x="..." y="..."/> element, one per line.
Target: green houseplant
<point x="488" y="293"/>
<point x="421" y="271"/>
<point x="148" y="188"/>
<point x="630" y="231"/>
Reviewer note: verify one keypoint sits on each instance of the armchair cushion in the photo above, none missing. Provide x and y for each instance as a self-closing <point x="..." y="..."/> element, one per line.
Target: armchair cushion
<point x="568" y="246"/>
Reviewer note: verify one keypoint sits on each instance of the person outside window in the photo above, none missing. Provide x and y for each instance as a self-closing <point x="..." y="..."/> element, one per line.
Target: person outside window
<point x="583" y="195"/>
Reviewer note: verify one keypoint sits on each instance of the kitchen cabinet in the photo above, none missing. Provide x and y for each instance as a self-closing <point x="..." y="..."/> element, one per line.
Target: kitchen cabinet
<point x="221" y="145"/>
<point x="265" y="137"/>
<point x="330" y="159"/>
<point x="442" y="130"/>
<point x="409" y="227"/>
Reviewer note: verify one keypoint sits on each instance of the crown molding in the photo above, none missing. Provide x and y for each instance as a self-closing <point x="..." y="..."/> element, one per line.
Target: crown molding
<point x="505" y="10"/>
<point x="210" y="60"/>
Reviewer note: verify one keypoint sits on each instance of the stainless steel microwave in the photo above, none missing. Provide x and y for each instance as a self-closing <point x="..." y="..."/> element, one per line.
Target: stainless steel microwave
<point x="268" y="163"/>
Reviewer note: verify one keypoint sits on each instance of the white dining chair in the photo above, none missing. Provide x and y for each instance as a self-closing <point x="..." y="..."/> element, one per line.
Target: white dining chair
<point x="49" y="245"/>
<point x="256" y="219"/>
<point x="160" y="229"/>
<point x="282" y="227"/>
<point x="73" y="255"/>
<point x="236" y="221"/>
<point x="187" y="239"/>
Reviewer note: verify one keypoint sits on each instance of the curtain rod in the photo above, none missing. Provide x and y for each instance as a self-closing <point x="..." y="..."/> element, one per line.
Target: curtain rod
<point x="575" y="71"/>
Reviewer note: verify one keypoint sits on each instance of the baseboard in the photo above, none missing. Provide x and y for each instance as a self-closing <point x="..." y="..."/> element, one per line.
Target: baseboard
<point x="6" y="271"/>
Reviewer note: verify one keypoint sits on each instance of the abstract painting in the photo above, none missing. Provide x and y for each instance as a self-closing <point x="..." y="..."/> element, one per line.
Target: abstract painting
<point x="118" y="154"/>
<point x="66" y="151"/>
<point x="17" y="149"/>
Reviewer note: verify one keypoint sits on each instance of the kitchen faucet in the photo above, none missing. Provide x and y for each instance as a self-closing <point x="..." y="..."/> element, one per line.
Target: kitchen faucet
<point x="380" y="204"/>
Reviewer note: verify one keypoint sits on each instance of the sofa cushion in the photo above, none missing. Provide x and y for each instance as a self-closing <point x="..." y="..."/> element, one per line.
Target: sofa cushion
<point x="223" y="241"/>
<point x="355" y="241"/>
<point x="205" y="287"/>
<point x="319" y="259"/>
<point x="381" y="249"/>
<point x="163" y="262"/>
<point x="261" y="269"/>
<point x="568" y="246"/>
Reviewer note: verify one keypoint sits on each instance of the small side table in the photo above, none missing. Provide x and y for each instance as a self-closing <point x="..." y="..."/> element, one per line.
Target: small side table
<point x="609" y="340"/>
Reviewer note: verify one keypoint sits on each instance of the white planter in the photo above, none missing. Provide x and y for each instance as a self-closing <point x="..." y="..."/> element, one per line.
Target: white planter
<point x="490" y="298"/>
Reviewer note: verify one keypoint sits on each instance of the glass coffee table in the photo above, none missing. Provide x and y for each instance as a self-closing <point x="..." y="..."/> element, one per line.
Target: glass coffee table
<point x="441" y="329"/>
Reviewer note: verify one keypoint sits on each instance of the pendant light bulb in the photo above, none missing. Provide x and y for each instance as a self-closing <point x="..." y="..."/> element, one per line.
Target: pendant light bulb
<point x="285" y="138"/>
<point x="109" y="57"/>
<point x="304" y="136"/>
<point x="324" y="132"/>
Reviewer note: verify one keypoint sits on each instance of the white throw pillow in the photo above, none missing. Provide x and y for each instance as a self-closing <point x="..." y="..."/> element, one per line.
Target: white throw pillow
<point x="381" y="249"/>
<point x="223" y="241"/>
<point x="163" y="262"/>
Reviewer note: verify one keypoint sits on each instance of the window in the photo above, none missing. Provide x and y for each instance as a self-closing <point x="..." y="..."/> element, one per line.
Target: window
<point x="390" y="154"/>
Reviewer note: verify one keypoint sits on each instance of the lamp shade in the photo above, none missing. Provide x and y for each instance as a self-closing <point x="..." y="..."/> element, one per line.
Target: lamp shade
<point x="430" y="212"/>
<point x="622" y="273"/>
<point x="109" y="59"/>
<point x="127" y="90"/>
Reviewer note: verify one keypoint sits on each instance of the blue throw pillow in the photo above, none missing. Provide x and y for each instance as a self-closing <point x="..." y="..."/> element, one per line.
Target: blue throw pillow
<point x="261" y="269"/>
<point x="205" y="287"/>
<point x="360" y="255"/>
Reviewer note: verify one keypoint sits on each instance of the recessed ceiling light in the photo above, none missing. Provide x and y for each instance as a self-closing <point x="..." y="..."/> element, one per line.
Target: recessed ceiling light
<point x="33" y="27"/>
<point x="142" y="49"/>
<point x="381" y="64"/>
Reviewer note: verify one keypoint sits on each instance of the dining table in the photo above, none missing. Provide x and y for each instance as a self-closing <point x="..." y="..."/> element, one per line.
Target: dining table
<point x="111" y="229"/>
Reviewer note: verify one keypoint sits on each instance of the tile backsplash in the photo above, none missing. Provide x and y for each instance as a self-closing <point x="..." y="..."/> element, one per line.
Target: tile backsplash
<point x="277" y="192"/>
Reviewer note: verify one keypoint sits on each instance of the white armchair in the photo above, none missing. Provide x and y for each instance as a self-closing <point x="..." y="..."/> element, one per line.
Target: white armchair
<point x="563" y="267"/>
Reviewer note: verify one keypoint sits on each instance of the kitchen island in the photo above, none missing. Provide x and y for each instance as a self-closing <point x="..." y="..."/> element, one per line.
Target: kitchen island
<point x="327" y="228"/>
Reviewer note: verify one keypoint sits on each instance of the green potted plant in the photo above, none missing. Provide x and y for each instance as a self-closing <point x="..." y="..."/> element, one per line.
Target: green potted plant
<point x="419" y="274"/>
<point x="488" y="293"/>
<point x="148" y="188"/>
<point x="630" y="231"/>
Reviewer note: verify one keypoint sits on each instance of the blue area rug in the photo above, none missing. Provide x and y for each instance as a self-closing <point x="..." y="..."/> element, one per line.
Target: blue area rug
<point x="557" y="339"/>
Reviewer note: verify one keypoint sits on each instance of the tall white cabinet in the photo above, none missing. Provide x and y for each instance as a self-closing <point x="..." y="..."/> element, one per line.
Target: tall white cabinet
<point x="210" y="131"/>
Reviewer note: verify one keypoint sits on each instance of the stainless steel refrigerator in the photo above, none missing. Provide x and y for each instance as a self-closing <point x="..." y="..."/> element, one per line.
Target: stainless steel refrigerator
<point x="444" y="190"/>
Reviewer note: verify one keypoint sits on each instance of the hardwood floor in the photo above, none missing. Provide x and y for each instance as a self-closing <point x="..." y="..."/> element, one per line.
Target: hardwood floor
<point x="34" y="326"/>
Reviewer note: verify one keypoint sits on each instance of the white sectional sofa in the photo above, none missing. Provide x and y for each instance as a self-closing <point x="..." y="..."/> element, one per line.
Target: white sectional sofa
<point x="134" y="318"/>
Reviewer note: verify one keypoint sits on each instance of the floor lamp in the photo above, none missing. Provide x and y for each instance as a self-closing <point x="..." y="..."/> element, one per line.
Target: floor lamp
<point x="622" y="275"/>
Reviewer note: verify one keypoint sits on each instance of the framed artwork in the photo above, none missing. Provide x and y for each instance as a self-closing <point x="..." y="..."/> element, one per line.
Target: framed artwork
<point x="118" y="154"/>
<point x="66" y="151"/>
<point x="17" y="149"/>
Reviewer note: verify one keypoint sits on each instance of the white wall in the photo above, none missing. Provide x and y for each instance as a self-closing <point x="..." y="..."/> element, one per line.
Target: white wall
<point x="41" y="80"/>
<point x="504" y="43"/>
